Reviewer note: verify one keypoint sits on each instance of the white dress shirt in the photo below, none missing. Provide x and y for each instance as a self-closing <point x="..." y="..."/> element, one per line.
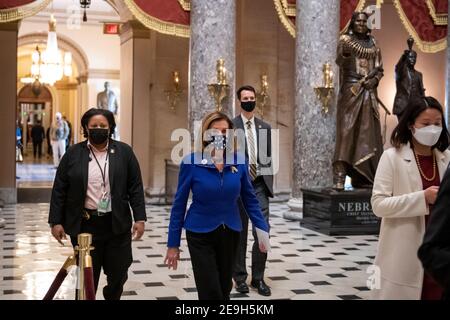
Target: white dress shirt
<point x="95" y="179"/>
<point x="253" y="132"/>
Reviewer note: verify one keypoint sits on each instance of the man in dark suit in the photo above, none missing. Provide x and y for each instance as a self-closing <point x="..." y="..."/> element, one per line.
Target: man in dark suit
<point x="408" y="81"/>
<point x="258" y="151"/>
<point x="434" y="252"/>
<point x="37" y="136"/>
<point x="97" y="184"/>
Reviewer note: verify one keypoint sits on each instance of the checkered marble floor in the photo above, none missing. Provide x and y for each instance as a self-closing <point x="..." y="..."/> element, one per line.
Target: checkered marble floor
<point x="302" y="264"/>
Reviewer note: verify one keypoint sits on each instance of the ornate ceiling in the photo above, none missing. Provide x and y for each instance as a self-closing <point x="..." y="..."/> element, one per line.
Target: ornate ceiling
<point x="425" y="20"/>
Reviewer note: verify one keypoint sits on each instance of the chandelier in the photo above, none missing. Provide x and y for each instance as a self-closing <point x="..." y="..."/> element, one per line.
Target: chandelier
<point x="85" y="4"/>
<point x="50" y="66"/>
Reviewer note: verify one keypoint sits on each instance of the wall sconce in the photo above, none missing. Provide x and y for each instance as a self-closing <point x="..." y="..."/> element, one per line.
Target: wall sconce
<point x="173" y="96"/>
<point x="220" y="89"/>
<point x="325" y="93"/>
<point x="262" y="96"/>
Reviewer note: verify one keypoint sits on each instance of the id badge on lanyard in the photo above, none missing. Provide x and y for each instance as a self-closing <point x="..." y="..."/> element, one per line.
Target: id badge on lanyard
<point x="104" y="204"/>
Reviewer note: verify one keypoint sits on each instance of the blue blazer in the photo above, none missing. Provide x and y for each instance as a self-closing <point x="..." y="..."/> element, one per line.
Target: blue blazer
<point x="214" y="198"/>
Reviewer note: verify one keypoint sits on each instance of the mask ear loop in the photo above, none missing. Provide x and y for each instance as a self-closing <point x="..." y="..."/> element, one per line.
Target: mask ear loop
<point x="426" y="102"/>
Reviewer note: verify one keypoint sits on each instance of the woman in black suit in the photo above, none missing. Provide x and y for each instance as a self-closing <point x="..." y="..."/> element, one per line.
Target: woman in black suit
<point x="96" y="183"/>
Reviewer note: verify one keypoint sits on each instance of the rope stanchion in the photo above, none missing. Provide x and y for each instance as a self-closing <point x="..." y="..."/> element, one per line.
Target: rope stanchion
<point x="85" y="287"/>
<point x="86" y="275"/>
<point x="59" y="279"/>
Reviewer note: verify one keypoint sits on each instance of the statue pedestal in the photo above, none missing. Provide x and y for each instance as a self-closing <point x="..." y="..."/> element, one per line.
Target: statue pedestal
<point x="339" y="212"/>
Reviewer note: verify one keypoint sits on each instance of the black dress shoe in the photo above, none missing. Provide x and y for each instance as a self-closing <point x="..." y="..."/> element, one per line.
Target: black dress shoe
<point x="242" y="287"/>
<point x="263" y="288"/>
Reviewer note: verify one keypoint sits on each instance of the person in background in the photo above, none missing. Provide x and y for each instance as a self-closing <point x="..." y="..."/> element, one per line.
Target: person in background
<point x="98" y="190"/>
<point x="58" y="134"/>
<point x="37" y="136"/>
<point x="406" y="185"/>
<point x="19" y="144"/>
<point x="49" y="144"/>
<point x="257" y="135"/>
<point x="69" y="136"/>
<point x="213" y="223"/>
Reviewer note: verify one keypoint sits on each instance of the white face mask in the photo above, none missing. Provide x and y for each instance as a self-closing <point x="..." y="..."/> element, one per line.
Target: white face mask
<point x="428" y="136"/>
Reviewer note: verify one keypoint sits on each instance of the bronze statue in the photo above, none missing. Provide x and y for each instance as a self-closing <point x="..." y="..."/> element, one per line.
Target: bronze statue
<point x="407" y="79"/>
<point x="358" y="131"/>
<point x="107" y="99"/>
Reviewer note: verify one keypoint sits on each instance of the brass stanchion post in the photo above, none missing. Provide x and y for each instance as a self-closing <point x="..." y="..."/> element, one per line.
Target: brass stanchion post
<point x="83" y="248"/>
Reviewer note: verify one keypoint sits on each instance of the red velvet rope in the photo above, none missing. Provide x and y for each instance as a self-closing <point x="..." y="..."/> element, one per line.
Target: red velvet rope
<point x="89" y="288"/>
<point x="56" y="284"/>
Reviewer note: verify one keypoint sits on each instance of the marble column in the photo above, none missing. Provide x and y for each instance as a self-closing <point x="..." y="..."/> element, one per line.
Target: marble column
<point x="8" y="94"/>
<point x="135" y="85"/>
<point x="314" y="131"/>
<point x="213" y="36"/>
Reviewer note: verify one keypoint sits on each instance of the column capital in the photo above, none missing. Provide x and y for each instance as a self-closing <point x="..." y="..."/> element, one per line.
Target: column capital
<point x="82" y="78"/>
<point x="133" y="29"/>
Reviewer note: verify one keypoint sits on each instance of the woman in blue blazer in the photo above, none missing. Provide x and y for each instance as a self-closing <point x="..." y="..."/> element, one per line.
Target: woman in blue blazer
<point x="212" y="222"/>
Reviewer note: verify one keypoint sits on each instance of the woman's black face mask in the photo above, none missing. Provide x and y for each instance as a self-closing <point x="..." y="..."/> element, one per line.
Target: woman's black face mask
<point x="98" y="135"/>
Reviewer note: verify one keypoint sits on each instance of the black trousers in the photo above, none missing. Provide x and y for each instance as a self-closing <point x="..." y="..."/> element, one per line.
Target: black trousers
<point x="212" y="257"/>
<point x="258" y="258"/>
<point x="37" y="147"/>
<point x="112" y="253"/>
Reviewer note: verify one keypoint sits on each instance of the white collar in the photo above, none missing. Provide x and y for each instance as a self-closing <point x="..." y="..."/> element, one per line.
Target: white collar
<point x="95" y="149"/>
<point x="245" y="120"/>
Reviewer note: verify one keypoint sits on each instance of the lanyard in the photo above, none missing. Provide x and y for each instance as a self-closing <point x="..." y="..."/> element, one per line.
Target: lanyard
<point x="100" y="167"/>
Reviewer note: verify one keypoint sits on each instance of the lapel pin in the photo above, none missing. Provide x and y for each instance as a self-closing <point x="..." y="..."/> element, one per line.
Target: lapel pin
<point x="204" y="161"/>
<point x="112" y="151"/>
<point x="234" y="169"/>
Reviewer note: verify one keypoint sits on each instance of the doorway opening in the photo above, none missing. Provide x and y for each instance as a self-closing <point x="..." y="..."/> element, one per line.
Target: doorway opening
<point x="34" y="167"/>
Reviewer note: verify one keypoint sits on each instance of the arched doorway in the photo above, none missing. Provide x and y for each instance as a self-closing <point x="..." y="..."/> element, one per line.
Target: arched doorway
<point x="34" y="104"/>
<point x="34" y="176"/>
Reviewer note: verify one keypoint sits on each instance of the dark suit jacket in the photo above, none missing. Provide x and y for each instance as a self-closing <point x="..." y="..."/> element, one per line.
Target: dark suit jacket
<point x="37" y="133"/>
<point x="404" y="84"/>
<point x="435" y="249"/>
<point x="70" y="185"/>
<point x="265" y="140"/>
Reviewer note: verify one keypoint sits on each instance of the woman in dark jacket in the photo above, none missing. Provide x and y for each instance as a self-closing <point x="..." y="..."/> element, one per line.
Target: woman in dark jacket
<point x="213" y="222"/>
<point x="96" y="183"/>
